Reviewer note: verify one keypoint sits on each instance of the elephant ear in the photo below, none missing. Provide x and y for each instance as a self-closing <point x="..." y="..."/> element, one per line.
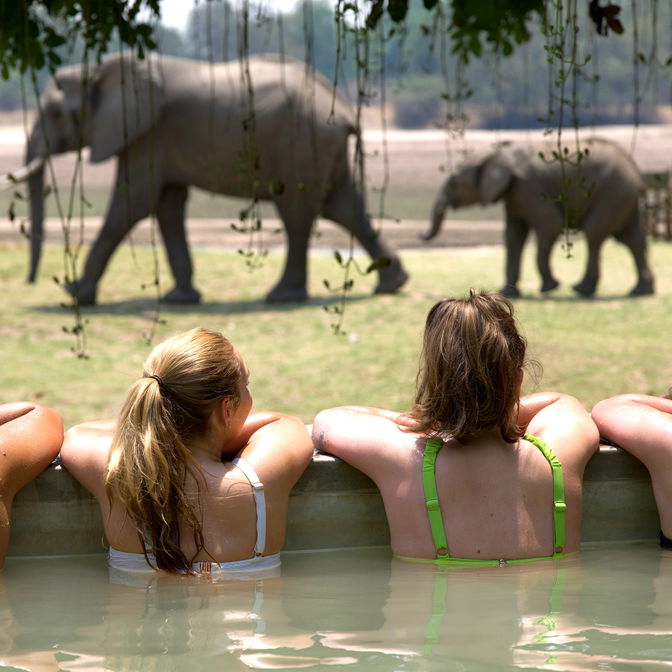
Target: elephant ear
<point x="495" y="176"/>
<point x="125" y="99"/>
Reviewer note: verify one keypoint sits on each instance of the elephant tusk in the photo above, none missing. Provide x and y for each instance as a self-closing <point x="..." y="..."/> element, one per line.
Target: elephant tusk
<point x="22" y="174"/>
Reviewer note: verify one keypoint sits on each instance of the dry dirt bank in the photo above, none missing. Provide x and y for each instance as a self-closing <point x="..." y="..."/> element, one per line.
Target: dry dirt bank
<point x="410" y="162"/>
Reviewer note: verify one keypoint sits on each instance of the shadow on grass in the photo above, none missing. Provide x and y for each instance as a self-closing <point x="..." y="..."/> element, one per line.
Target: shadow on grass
<point x="144" y="306"/>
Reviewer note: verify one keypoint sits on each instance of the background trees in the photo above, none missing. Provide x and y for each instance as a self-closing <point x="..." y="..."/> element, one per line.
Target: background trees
<point x="502" y="64"/>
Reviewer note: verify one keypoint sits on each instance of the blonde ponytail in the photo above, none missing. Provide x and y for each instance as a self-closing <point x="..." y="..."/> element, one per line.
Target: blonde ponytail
<point x="150" y="459"/>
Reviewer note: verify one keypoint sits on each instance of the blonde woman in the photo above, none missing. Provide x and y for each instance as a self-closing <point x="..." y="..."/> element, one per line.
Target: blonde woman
<point x="187" y="480"/>
<point x="473" y="474"/>
<point x="30" y="438"/>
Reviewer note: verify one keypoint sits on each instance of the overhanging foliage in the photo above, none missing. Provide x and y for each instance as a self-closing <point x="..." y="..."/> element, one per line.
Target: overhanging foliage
<point x="33" y="30"/>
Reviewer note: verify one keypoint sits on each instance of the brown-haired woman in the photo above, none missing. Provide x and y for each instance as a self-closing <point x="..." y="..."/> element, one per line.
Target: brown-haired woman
<point x="30" y="438"/>
<point x="188" y="481"/>
<point x="473" y="473"/>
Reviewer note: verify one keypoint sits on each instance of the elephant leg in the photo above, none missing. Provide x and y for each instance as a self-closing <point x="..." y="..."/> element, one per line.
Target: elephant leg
<point x="633" y="237"/>
<point x="292" y="284"/>
<point x="134" y="197"/>
<point x="170" y="213"/>
<point x="345" y="206"/>
<point x="615" y="214"/>
<point x="545" y="242"/>
<point x="587" y="286"/>
<point x="515" y="235"/>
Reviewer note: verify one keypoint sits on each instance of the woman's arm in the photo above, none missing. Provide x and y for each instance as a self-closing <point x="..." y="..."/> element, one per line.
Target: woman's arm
<point x="372" y="440"/>
<point x="85" y="450"/>
<point x="279" y="449"/>
<point x="399" y="419"/>
<point x="30" y="438"/>
<point x="564" y="423"/>
<point x="253" y="424"/>
<point x="533" y="403"/>
<point x="14" y="410"/>
<point x="640" y="424"/>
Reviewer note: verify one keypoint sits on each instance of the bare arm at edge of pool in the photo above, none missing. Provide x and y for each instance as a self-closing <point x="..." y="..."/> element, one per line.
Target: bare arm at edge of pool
<point x="85" y="451"/>
<point x="30" y="438"/>
<point x="374" y="440"/>
<point x="642" y="425"/>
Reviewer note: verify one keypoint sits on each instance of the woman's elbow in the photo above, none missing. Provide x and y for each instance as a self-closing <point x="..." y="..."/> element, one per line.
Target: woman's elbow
<point x="320" y="430"/>
<point x="48" y="426"/>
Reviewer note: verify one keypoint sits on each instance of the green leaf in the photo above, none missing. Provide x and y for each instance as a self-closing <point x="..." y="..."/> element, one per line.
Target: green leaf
<point x="397" y="9"/>
<point x="375" y="14"/>
<point x="53" y="39"/>
<point x="32" y="29"/>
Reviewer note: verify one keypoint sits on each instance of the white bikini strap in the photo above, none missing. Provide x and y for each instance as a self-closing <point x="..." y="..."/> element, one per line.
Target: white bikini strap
<point x="259" y="502"/>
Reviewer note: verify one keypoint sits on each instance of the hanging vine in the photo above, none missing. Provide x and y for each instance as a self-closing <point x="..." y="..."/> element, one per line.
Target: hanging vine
<point x="34" y="36"/>
<point x="561" y="29"/>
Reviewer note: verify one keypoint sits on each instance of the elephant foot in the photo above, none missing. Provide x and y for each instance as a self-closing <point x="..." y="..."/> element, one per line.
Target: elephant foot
<point x="85" y="295"/>
<point x="643" y="288"/>
<point x="510" y="291"/>
<point x="391" y="278"/>
<point x="280" y="294"/>
<point x="177" y="295"/>
<point x="549" y="285"/>
<point x="584" y="288"/>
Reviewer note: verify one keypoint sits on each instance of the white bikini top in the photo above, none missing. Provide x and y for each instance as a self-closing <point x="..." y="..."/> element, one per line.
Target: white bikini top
<point x="259" y="502"/>
<point x="136" y="561"/>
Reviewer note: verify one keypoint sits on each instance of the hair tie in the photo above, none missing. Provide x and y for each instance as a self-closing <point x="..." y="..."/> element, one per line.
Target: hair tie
<point x="156" y="378"/>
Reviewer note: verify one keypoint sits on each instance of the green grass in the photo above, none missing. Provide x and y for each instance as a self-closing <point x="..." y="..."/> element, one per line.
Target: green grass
<point x="590" y="348"/>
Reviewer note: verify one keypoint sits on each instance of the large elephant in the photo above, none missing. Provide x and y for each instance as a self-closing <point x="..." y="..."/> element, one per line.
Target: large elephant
<point x="600" y="189"/>
<point x="264" y="128"/>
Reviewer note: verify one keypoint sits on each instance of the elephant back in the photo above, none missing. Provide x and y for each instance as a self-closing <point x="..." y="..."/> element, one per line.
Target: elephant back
<point x="615" y="161"/>
<point x="309" y="92"/>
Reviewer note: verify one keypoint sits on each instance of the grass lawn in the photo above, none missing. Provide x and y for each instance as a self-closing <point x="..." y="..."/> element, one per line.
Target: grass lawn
<point x="589" y="348"/>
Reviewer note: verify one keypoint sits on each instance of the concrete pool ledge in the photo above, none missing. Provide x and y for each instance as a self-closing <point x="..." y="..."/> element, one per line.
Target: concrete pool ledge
<point x="333" y="505"/>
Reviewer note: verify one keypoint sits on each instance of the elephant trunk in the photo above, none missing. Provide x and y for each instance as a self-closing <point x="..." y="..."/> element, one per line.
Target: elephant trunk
<point x="36" y="200"/>
<point x="22" y="174"/>
<point x="438" y="211"/>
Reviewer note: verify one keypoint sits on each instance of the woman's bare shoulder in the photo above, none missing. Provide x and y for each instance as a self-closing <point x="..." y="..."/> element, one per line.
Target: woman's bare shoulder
<point x="565" y="425"/>
<point x="374" y="441"/>
<point x="279" y="450"/>
<point x="85" y="452"/>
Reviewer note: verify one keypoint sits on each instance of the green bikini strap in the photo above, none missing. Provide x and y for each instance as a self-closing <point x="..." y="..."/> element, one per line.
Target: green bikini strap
<point x="432" y="447"/>
<point x="559" y="505"/>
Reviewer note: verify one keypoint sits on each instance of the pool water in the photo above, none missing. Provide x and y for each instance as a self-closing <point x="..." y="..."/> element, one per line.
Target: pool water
<point x="608" y="608"/>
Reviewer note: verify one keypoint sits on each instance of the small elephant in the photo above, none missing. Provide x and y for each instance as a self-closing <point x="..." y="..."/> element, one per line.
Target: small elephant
<point x="601" y="193"/>
<point x="265" y="129"/>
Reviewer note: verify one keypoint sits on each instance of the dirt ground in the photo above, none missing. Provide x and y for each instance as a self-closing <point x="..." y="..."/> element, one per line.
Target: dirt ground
<point x="417" y="162"/>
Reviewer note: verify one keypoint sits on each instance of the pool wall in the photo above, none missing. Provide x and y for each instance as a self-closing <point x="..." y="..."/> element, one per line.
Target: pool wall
<point x="332" y="506"/>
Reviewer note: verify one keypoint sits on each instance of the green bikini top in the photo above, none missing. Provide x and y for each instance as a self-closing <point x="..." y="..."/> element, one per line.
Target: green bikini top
<point x="432" y="447"/>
